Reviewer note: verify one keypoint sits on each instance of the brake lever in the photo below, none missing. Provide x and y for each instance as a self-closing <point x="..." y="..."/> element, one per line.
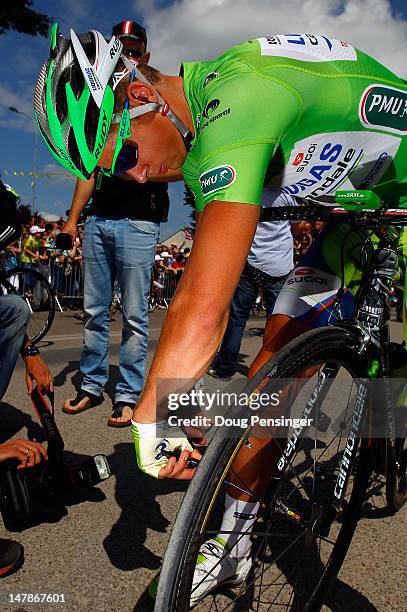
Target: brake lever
<point x="192" y="463"/>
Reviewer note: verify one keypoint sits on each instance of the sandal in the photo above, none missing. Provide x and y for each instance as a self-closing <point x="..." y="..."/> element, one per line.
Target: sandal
<point x="118" y="412"/>
<point x="94" y="400"/>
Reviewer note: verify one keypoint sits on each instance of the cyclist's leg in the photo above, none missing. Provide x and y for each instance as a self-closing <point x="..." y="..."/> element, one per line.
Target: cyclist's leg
<point x="307" y="300"/>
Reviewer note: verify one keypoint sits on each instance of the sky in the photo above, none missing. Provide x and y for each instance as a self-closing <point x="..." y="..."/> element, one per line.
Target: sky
<point x="177" y="30"/>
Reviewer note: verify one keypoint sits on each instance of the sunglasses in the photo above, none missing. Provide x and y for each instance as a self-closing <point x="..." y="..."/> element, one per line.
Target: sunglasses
<point x="125" y="156"/>
<point x="133" y="53"/>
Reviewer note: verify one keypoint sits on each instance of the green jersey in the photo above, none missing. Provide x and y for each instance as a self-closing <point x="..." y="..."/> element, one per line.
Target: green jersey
<point x="306" y="115"/>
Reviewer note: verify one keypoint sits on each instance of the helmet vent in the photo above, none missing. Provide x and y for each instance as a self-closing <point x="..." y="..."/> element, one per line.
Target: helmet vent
<point x="39" y="100"/>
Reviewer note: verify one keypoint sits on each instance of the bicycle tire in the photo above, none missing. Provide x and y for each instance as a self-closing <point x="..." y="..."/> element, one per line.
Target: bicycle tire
<point x="44" y="326"/>
<point x="396" y="478"/>
<point x="325" y="344"/>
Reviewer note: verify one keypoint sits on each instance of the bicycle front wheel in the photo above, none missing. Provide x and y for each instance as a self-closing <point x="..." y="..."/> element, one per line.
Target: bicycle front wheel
<point x="294" y="561"/>
<point x="34" y="288"/>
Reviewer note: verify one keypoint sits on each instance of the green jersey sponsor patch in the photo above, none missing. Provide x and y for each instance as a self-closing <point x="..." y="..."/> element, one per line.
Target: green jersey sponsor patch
<point x="385" y="108"/>
<point x="217" y="178"/>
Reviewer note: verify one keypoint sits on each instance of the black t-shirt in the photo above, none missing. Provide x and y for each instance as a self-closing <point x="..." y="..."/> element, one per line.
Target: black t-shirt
<point x="116" y="198"/>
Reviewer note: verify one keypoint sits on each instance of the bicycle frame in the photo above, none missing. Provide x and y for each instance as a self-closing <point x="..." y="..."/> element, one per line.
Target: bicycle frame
<point x="370" y="326"/>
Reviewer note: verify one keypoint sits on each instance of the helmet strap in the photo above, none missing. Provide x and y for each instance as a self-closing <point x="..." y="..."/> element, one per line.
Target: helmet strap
<point x="160" y="107"/>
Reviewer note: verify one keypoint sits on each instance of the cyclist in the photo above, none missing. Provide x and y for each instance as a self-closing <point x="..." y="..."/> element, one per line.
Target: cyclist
<point x="304" y="114"/>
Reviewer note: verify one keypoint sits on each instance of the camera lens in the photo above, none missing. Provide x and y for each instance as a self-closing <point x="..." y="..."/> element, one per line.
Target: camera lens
<point x="102" y="466"/>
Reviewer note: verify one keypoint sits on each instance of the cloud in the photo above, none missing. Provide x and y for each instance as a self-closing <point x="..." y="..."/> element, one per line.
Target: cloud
<point x="202" y="29"/>
<point x="58" y="176"/>
<point x="23" y="102"/>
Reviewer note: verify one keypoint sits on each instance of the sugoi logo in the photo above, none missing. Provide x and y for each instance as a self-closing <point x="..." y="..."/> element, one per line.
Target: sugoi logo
<point x="217" y="178"/>
<point x="209" y="77"/>
<point x="307" y="275"/>
<point x="211" y="107"/>
<point x="384" y="108"/>
<point x="303" y="271"/>
<point x="103" y="135"/>
<point x="304" y="159"/>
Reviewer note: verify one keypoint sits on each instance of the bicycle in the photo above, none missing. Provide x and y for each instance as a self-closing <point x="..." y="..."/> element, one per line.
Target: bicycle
<point x="37" y="292"/>
<point x="322" y="470"/>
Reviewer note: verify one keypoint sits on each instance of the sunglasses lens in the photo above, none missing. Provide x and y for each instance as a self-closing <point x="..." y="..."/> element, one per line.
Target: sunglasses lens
<point x="133" y="53"/>
<point x="127" y="158"/>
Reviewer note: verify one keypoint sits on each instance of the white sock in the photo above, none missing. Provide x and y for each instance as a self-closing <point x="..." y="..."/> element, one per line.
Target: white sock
<point x="239" y="517"/>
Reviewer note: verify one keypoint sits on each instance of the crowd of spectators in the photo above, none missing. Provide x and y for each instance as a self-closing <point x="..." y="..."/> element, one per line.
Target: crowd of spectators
<point x="36" y="249"/>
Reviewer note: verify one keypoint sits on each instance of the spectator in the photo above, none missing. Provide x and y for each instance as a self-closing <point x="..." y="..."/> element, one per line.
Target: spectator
<point x="30" y="255"/>
<point x="168" y="260"/>
<point x="269" y="261"/>
<point x="119" y="242"/>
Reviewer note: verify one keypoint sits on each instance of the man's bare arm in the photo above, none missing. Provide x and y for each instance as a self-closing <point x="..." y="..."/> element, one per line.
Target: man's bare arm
<point x="81" y="196"/>
<point x="196" y="320"/>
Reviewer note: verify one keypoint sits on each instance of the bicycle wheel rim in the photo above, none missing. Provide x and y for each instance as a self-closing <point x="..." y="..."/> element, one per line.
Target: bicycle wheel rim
<point x="176" y="575"/>
<point x="40" y="300"/>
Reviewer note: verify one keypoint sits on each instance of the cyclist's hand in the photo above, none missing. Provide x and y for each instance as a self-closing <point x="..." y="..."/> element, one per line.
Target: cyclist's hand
<point x="153" y="442"/>
<point x="38" y="371"/>
<point x="177" y="468"/>
<point x="17" y="449"/>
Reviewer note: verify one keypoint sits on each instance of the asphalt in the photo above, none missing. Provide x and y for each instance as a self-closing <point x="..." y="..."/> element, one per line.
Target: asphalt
<point x="108" y="544"/>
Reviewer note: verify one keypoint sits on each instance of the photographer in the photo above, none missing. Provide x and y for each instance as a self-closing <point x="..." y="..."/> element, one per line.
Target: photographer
<point x="14" y="315"/>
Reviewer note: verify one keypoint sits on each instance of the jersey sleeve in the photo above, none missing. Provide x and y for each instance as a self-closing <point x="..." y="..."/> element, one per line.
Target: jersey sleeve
<point x="243" y="124"/>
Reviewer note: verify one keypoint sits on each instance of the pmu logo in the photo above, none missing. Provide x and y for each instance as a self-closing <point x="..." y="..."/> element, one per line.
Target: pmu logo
<point x="210" y="107"/>
<point x="384" y="108"/>
<point x="217" y="178"/>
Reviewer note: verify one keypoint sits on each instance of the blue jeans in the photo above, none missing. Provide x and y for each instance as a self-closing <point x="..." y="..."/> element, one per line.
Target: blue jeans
<point x="14" y="315"/>
<point x="225" y="363"/>
<point x="30" y="283"/>
<point x="122" y="249"/>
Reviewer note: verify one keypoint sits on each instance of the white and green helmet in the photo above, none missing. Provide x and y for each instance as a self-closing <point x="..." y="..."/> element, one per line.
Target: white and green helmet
<point x="74" y="99"/>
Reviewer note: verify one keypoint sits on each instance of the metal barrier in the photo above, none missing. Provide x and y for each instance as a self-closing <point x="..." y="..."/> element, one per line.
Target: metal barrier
<point x="67" y="280"/>
<point x="163" y="287"/>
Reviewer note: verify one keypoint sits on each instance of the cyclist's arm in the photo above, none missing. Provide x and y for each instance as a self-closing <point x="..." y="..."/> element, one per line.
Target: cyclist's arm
<point x="198" y="314"/>
<point x="81" y="196"/>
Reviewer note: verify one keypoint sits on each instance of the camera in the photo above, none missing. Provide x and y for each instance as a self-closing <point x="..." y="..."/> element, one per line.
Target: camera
<point x="28" y="492"/>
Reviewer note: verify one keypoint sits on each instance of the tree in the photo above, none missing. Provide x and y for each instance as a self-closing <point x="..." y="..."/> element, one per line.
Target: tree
<point x="18" y="15"/>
